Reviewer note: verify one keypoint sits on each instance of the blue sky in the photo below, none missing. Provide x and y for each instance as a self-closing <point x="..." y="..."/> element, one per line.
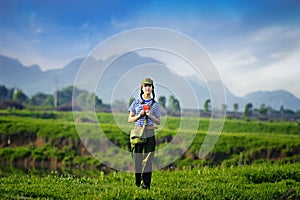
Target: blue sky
<point x="255" y="44"/>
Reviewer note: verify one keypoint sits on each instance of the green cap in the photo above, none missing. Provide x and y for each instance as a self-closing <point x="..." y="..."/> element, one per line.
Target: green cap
<point x="147" y="81"/>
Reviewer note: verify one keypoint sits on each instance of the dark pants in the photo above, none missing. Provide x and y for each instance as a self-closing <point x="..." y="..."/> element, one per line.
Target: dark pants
<point x="143" y="155"/>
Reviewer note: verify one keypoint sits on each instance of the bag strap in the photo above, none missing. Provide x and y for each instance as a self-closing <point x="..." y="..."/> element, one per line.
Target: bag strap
<point x="145" y="120"/>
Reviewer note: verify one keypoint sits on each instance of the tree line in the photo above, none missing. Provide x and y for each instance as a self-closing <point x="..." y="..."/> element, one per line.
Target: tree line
<point x="14" y="98"/>
<point x="263" y="112"/>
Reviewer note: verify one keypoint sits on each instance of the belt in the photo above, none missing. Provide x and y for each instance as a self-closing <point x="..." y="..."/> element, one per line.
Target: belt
<point x="147" y="127"/>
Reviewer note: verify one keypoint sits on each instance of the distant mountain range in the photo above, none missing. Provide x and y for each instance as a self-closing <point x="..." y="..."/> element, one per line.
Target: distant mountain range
<point x="31" y="79"/>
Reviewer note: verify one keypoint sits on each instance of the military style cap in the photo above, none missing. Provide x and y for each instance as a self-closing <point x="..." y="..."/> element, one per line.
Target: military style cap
<point x="147" y="81"/>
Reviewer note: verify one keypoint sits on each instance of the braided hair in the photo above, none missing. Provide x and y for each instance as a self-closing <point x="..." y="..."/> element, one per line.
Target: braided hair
<point x="153" y="95"/>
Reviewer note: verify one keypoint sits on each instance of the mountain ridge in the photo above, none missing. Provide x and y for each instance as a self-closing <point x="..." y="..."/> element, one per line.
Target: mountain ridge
<point x="31" y="79"/>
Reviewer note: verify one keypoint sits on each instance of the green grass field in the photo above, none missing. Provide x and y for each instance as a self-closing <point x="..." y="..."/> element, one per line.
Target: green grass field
<point x="262" y="181"/>
<point x="251" y="160"/>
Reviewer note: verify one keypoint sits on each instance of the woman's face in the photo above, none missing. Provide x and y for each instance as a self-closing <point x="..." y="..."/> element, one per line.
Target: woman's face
<point x="147" y="88"/>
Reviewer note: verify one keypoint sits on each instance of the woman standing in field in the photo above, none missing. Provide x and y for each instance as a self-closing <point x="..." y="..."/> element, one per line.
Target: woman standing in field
<point x="144" y="111"/>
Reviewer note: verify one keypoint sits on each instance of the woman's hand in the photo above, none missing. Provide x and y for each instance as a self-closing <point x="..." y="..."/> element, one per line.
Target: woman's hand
<point x="132" y="117"/>
<point x="147" y="112"/>
<point x="142" y="113"/>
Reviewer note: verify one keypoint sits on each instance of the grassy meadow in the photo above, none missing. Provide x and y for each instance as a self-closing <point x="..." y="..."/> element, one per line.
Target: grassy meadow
<point x="251" y="160"/>
<point x="263" y="181"/>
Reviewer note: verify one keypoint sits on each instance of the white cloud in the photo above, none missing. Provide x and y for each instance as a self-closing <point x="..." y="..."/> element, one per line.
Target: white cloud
<point x="283" y="74"/>
<point x="31" y="25"/>
<point x="266" y="59"/>
<point x="232" y="59"/>
<point x="278" y="55"/>
<point x="118" y="24"/>
<point x="268" y="33"/>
